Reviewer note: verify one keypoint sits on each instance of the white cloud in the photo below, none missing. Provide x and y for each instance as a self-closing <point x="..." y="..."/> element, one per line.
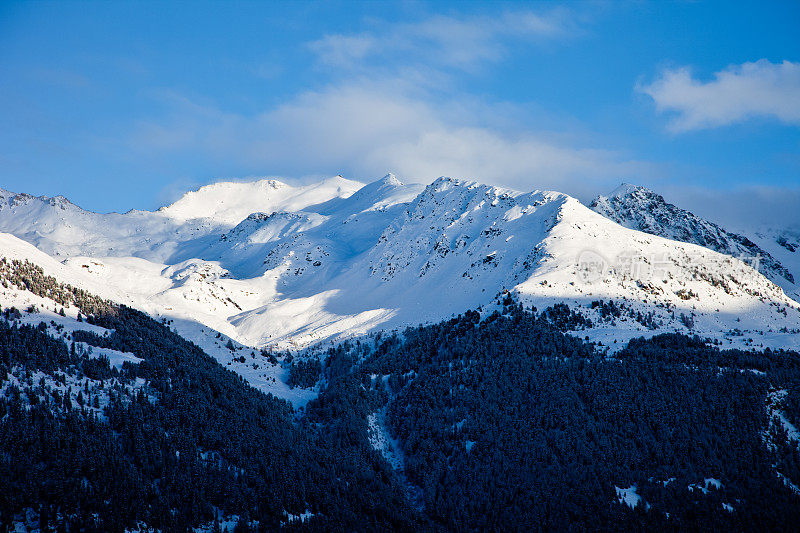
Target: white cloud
<point x="393" y="104"/>
<point x="384" y="110"/>
<point x="759" y="89"/>
<point x="367" y="130"/>
<point x="461" y="43"/>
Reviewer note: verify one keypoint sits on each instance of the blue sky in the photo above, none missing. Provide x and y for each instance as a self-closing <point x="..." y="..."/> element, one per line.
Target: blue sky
<point x="125" y="105"/>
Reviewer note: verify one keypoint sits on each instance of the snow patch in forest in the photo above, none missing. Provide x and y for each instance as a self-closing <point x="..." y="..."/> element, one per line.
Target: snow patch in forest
<point x="774" y="400"/>
<point x="629" y="497"/>
<point x="788" y="482"/>
<point x="381" y="440"/>
<point x="302" y="517"/>
<point x="246" y="361"/>
<point x="707" y="482"/>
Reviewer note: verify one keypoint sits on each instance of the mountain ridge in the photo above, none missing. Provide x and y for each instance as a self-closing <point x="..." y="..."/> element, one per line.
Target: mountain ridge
<point x="389" y="254"/>
<point x="639" y="208"/>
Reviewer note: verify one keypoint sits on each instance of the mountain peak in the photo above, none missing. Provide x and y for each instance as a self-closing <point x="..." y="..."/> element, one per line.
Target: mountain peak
<point x="231" y="202"/>
<point x="390" y="179"/>
<point x="626" y="189"/>
<point x="13" y="199"/>
<point x="339" y="180"/>
<point x="641" y="209"/>
<point x="634" y="197"/>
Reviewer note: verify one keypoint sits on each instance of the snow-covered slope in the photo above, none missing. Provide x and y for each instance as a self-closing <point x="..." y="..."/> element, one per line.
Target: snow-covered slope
<point x="782" y="243"/>
<point x="641" y="209"/>
<point x="14" y="248"/>
<point x="460" y="243"/>
<point x="230" y="202"/>
<point x="320" y="263"/>
<point x="63" y="320"/>
<point x="60" y="228"/>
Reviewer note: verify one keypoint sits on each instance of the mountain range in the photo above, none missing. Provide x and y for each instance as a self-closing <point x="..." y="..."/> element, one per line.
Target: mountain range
<point x="376" y="345"/>
<point x="270" y="264"/>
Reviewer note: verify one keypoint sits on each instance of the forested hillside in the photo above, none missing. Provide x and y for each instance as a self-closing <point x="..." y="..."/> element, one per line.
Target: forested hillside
<point x="505" y="423"/>
<point x="172" y="442"/>
<point x="487" y="421"/>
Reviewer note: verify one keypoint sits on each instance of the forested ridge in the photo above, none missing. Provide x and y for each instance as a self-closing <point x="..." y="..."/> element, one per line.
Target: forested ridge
<point x="193" y="442"/>
<point x="505" y="423"/>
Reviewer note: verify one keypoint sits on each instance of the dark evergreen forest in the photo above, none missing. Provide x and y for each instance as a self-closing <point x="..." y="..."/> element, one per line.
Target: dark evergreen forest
<point x="505" y="423"/>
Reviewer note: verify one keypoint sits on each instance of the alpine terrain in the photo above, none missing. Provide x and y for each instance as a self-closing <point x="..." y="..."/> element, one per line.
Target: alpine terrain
<point x="641" y="209"/>
<point x="348" y="356"/>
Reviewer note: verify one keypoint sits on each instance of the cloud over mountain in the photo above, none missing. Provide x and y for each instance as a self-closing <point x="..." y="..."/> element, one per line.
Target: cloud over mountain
<point x="364" y="128"/>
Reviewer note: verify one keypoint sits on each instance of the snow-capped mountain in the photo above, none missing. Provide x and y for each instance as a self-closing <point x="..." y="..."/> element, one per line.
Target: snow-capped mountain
<point x="60" y="228"/>
<point x="641" y="209"/>
<point x="266" y="263"/>
<point x="231" y="202"/>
